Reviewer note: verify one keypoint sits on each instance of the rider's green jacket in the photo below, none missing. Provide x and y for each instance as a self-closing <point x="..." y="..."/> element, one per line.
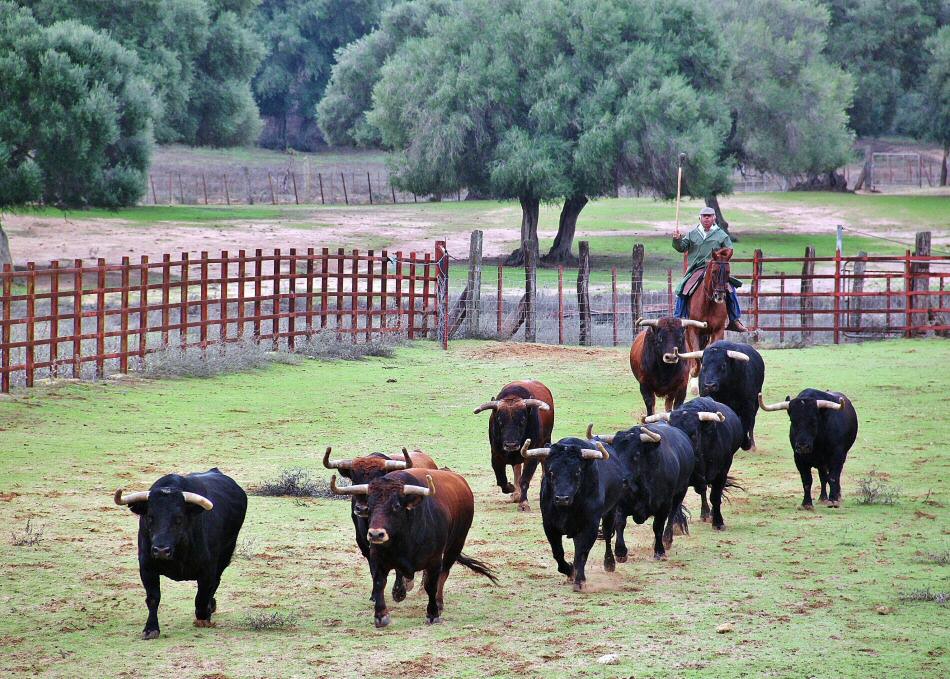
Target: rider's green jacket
<point x="700" y="249"/>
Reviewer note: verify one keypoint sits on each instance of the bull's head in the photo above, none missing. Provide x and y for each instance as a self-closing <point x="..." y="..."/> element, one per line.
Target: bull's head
<point x="511" y="419"/>
<point x="636" y="446"/>
<point x="167" y="515"/>
<point x="667" y="336"/>
<point x="362" y="470"/>
<point x="390" y="501"/>
<point x="718" y="366"/>
<point x="805" y="415"/>
<point x="699" y="426"/>
<point x="566" y="466"/>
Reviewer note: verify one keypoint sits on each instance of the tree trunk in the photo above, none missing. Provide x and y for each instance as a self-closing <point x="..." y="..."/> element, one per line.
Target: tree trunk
<point x="560" y="252"/>
<point x="713" y="202"/>
<point x="5" y="257"/>
<point x="943" y="165"/>
<point x="530" y="207"/>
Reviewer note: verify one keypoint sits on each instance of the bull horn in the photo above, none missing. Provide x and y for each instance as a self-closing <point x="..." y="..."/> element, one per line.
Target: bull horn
<point x="590" y="429"/>
<point x="672" y="358"/>
<point x="652" y="322"/>
<point x="419" y="490"/>
<point x="529" y="402"/>
<point x="822" y="403"/>
<point x="738" y="355"/>
<point x="603" y="450"/>
<point x="648" y="436"/>
<point x="525" y="446"/>
<point x="659" y="417"/>
<point x="200" y="500"/>
<point x="361" y="489"/>
<point x="781" y="405"/>
<point x="692" y="354"/>
<point x="390" y="465"/>
<point x="536" y="452"/>
<point x="591" y="454"/>
<point x="141" y="496"/>
<point x="335" y="464"/>
<point x="706" y="416"/>
<point x="405" y="454"/>
<point x="491" y="405"/>
<point x="607" y="438"/>
<point x="689" y="322"/>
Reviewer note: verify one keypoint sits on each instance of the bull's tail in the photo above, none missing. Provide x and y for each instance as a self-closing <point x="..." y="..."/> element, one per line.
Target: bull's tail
<point x="732" y="482"/>
<point x="680" y="519"/>
<point x="479" y="567"/>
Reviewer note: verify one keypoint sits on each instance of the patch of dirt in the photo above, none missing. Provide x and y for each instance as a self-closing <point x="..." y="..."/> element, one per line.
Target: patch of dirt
<point x="520" y="350"/>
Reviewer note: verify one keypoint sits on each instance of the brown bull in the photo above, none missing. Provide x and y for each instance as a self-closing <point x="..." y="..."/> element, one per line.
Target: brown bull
<point x="418" y="521"/>
<point x="657" y="363"/>
<point x="362" y="470"/>
<point x="522" y="411"/>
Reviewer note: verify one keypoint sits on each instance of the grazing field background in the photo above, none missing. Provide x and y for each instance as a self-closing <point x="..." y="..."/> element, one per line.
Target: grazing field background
<point x="855" y="592"/>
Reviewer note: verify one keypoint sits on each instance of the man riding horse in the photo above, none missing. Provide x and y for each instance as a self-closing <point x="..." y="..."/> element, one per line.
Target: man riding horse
<point x="700" y="244"/>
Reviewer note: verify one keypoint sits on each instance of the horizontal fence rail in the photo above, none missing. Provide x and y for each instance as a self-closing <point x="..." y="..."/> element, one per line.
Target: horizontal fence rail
<point x="82" y="321"/>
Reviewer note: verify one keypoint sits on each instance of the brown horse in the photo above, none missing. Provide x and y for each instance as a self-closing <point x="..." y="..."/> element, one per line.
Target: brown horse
<point x="708" y="303"/>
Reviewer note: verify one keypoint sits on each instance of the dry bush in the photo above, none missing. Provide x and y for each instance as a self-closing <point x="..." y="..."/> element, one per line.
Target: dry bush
<point x="873" y="491"/>
<point x="29" y="537"/>
<point x="264" y="622"/>
<point x="325" y="345"/>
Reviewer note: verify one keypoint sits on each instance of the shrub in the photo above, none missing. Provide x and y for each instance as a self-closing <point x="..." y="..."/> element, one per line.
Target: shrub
<point x="263" y="622"/>
<point x="30" y="537"/>
<point x="873" y="491"/>
<point x="926" y="595"/>
<point x="325" y="345"/>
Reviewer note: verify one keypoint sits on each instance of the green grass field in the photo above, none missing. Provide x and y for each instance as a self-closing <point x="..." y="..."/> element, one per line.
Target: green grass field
<point x="806" y="594"/>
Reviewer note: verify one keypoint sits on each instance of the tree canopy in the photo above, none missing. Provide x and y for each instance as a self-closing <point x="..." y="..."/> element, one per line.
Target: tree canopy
<point x="302" y="37"/>
<point x="198" y="55"/>
<point x="76" y="115"/>
<point x="553" y="100"/>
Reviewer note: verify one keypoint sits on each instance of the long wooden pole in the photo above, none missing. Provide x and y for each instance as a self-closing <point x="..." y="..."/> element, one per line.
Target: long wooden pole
<point x="679" y="186"/>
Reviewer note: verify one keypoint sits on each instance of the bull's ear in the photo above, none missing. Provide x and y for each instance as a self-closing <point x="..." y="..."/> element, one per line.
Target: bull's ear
<point x="787" y="397"/>
<point x="413" y="501"/>
<point x="140" y="508"/>
<point x="345" y="472"/>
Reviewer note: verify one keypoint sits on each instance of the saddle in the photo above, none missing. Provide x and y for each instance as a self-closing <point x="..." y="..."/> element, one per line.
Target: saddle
<point x="696" y="278"/>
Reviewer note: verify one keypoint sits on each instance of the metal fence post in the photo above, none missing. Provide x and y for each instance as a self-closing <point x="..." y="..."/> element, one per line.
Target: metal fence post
<point x="474" y="301"/>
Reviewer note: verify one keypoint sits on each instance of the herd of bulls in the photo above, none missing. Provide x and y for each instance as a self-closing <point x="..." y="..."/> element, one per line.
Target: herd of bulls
<point x="410" y="516"/>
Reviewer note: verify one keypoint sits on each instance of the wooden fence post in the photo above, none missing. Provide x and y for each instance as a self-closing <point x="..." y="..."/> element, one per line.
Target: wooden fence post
<point x="293" y="179"/>
<point x="560" y="304"/>
<point x="636" y="288"/>
<point x="806" y="302"/>
<point x="247" y="179"/>
<point x="204" y="186"/>
<point x="227" y="191"/>
<point x="857" y="287"/>
<point x="181" y="189"/>
<point x="908" y="297"/>
<point x="320" y="179"/>
<point x="151" y="180"/>
<point x="77" y="318"/>
<point x="474" y="301"/>
<point x="756" y="284"/>
<point x="837" y="297"/>
<point x="442" y="292"/>
<point x="369" y="185"/>
<point x="124" y="319"/>
<point x="346" y="198"/>
<point x="5" y="332"/>
<point x="583" y="295"/>
<point x="530" y="290"/>
<point x="54" y="317"/>
<point x="921" y="281"/>
<point x="273" y="196"/>
<point x="100" y="321"/>
<point x="500" y="308"/>
<point x="614" y="302"/>
<point x="31" y="320"/>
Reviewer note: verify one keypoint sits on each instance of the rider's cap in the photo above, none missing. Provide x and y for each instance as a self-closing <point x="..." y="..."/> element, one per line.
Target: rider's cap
<point x="707" y="211"/>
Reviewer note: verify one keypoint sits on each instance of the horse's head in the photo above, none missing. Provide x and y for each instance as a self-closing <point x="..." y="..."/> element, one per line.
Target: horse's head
<point x="717" y="275"/>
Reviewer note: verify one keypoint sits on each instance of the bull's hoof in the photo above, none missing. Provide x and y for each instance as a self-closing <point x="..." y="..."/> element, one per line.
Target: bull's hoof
<point x="610" y="565"/>
<point x="835" y="504"/>
<point x="382" y="622"/>
<point x="621" y="558"/>
<point x="579" y="586"/>
<point x="433" y="621"/>
<point x="149" y="634"/>
<point x="667" y="542"/>
<point x="523" y="506"/>
<point x="807" y="508"/>
<point x="704" y="518"/>
<point x="508" y="488"/>
<point x="720" y="526"/>
<point x="399" y="593"/>
<point x="659" y="557"/>
<point x="204" y="623"/>
<point x="516" y="496"/>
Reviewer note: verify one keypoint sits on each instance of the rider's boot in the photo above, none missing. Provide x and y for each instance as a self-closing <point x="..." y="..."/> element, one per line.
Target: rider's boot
<point x="737" y="326"/>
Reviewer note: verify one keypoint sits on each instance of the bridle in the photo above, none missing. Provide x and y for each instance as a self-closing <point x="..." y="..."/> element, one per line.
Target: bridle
<point x="718" y="280"/>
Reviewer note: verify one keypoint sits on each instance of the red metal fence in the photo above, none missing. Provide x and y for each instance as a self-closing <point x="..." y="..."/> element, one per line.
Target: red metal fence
<point x="861" y="295"/>
<point x="60" y="319"/>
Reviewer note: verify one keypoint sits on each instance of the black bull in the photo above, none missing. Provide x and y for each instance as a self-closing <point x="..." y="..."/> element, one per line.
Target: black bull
<point x="188" y="527"/>
<point x="716" y="433"/>
<point x="824" y="426"/>
<point x="733" y="373"/>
